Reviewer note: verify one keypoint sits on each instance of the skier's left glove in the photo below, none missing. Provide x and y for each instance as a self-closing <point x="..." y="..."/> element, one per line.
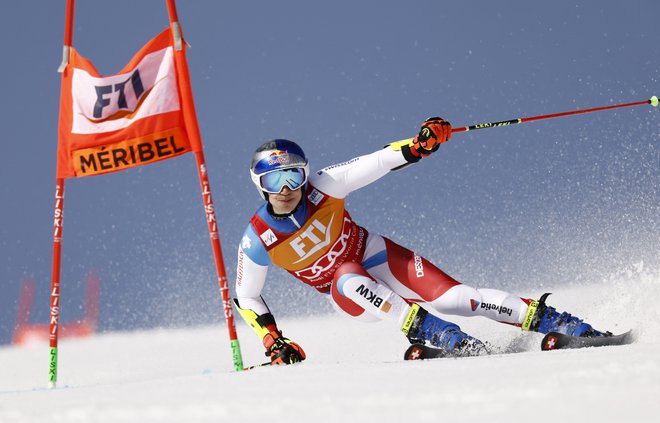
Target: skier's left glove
<point x="282" y="350"/>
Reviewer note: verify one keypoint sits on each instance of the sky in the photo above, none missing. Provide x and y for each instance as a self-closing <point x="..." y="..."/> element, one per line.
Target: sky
<point x="550" y="204"/>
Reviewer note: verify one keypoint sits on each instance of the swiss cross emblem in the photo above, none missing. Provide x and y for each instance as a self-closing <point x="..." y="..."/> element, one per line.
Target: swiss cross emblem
<point x="246" y="243"/>
<point x="551" y="342"/>
<point x="415" y="354"/>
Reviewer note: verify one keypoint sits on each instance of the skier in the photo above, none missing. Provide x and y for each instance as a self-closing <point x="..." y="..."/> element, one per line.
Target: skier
<point x="304" y="228"/>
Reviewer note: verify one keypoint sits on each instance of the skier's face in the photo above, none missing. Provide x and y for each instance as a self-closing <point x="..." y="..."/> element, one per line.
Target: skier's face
<point x="285" y="201"/>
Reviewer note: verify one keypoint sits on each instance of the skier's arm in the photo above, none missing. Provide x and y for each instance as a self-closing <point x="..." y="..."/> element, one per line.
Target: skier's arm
<point x="341" y="179"/>
<point x="250" y="281"/>
<point x="252" y="269"/>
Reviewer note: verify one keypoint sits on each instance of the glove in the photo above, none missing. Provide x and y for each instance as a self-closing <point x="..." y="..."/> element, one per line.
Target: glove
<point x="282" y="350"/>
<point x="434" y="131"/>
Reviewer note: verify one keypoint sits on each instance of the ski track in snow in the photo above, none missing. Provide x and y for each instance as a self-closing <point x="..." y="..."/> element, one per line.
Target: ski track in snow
<point x="354" y="372"/>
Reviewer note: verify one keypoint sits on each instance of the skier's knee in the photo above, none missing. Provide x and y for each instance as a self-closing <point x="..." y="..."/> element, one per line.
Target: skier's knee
<point x="459" y="300"/>
<point x="345" y="273"/>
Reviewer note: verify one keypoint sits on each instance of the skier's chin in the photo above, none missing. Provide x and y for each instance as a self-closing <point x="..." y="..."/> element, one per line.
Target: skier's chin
<point x="284" y="204"/>
<point x="283" y="207"/>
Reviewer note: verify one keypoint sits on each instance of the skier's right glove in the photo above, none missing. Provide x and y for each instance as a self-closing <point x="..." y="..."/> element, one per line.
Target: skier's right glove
<point x="434" y="131"/>
<point x="282" y="350"/>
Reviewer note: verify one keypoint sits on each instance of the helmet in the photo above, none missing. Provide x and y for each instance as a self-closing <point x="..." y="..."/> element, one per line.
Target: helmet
<point x="276" y="164"/>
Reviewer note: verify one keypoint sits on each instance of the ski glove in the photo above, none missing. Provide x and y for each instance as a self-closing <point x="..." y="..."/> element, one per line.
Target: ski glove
<point x="282" y="350"/>
<point x="434" y="131"/>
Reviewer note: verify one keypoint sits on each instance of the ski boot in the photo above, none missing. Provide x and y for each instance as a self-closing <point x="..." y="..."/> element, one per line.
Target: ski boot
<point x="543" y="318"/>
<point x="422" y="328"/>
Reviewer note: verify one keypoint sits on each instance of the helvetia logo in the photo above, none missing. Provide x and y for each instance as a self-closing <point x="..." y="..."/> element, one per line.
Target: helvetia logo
<point x="499" y="309"/>
<point x="474" y="304"/>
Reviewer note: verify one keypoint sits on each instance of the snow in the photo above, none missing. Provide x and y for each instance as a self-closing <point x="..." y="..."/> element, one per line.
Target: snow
<point x="354" y="372"/>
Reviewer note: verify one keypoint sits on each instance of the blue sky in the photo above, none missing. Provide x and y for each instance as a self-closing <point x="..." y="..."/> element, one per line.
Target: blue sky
<point x="544" y="204"/>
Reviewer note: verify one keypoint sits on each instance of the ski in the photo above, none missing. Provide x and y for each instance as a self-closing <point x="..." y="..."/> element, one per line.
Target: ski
<point x="424" y="352"/>
<point x="551" y="341"/>
<point x="559" y="341"/>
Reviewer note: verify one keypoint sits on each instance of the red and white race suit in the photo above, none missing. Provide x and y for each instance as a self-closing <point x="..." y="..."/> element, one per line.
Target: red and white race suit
<point x="319" y="236"/>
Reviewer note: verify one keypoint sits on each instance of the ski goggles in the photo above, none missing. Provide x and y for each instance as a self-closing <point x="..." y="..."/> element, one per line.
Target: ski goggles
<point x="273" y="182"/>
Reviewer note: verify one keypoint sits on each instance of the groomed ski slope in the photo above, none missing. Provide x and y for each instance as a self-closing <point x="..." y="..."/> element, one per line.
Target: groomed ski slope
<point x="354" y="372"/>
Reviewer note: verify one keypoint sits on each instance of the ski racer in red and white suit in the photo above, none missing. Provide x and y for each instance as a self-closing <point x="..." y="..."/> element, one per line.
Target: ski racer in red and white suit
<point x="367" y="275"/>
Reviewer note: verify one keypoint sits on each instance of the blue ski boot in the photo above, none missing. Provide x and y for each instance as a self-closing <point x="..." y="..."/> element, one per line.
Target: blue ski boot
<point x="543" y="318"/>
<point x="421" y="327"/>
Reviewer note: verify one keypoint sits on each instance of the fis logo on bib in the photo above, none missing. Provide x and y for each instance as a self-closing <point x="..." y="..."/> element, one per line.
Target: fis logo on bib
<point x="268" y="237"/>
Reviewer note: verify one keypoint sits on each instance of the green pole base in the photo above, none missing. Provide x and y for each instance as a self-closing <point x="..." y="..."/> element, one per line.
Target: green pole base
<point x="52" y="368"/>
<point x="236" y="355"/>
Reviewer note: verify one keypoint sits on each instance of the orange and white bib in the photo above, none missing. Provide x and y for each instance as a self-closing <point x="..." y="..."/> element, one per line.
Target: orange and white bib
<point x="327" y="239"/>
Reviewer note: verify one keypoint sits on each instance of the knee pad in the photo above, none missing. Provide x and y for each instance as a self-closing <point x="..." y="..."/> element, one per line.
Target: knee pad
<point x="359" y="294"/>
<point x="342" y="302"/>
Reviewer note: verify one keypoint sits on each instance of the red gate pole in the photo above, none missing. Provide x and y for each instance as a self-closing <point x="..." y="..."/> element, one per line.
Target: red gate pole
<point x="55" y="282"/>
<point x="57" y="224"/>
<point x="190" y="118"/>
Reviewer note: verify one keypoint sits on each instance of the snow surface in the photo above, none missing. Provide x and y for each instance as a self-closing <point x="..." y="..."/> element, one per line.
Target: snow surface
<point x="354" y="372"/>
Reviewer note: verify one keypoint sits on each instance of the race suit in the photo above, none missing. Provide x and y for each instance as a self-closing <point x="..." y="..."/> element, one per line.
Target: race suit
<point x="319" y="236"/>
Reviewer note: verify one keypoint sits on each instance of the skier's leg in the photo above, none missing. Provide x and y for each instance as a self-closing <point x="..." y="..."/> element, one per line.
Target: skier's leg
<point x="417" y="279"/>
<point x="358" y="294"/>
<point x="464" y="300"/>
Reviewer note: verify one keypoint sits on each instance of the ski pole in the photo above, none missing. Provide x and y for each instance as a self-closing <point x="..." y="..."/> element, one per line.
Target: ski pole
<point x="653" y="101"/>
<point x="256" y="366"/>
